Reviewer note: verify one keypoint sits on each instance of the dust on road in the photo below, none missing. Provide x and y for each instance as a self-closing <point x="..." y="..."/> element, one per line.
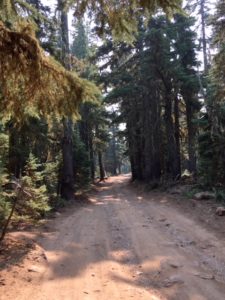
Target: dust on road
<point x="124" y="245"/>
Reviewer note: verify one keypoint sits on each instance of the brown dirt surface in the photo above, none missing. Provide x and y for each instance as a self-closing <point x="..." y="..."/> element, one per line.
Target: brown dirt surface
<point x="122" y="244"/>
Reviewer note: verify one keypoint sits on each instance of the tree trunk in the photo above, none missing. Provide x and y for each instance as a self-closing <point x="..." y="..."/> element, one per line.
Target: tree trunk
<point x="6" y="225"/>
<point x="173" y="156"/>
<point x="114" y="167"/>
<point x="136" y="152"/>
<point x="101" y="166"/>
<point x="177" y="129"/>
<point x="84" y="126"/>
<point x="67" y="181"/>
<point x="191" y="138"/>
<point x="92" y="156"/>
<point x="119" y="168"/>
<point x="204" y="41"/>
<point x="151" y="132"/>
<point x="19" y="149"/>
<point x="135" y="140"/>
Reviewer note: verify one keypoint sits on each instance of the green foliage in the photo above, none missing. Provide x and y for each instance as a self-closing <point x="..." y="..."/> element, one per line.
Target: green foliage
<point x="35" y="201"/>
<point x="51" y="176"/>
<point x="80" y="41"/>
<point x="146" y="82"/>
<point x="122" y="17"/>
<point x="4" y="139"/>
<point x="82" y="163"/>
<point x="28" y="75"/>
<point x="5" y="207"/>
<point x="4" y="178"/>
<point x="5" y="204"/>
<point x="205" y="166"/>
<point x="219" y="194"/>
<point x="211" y="159"/>
<point x="212" y="141"/>
<point x="217" y="75"/>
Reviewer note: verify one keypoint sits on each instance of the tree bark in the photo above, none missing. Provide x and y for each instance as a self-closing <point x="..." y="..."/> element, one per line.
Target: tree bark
<point x="191" y="138"/>
<point x="101" y="166"/>
<point x="151" y="132"/>
<point x="67" y="181"/>
<point x="114" y="156"/>
<point x="135" y="138"/>
<point x="177" y="129"/>
<point x="92" y="155"/>
<point x="84" y="126"/>
<point x="204" y="41"/>
<point x="173" y="156"/>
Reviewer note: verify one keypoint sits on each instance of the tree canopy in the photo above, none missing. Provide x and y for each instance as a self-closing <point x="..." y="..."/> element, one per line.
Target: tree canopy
<point x="31" y="80"/>
<point x="121" y="17"/>
<point x="27" y="71"/>
<point x="31" y="77"/>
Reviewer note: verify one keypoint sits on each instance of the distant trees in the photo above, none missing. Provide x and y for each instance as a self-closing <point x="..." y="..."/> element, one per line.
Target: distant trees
<point x="156" y="88"/>
<point x="116" y="158"/>
<point x="202" y="10"/>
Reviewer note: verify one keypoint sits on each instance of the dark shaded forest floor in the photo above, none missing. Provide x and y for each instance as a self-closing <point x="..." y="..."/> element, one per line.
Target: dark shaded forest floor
<point x="123" y="244"/>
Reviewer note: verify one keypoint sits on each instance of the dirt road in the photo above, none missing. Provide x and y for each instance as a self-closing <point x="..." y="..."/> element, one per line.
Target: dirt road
<point x="125" y="245"/>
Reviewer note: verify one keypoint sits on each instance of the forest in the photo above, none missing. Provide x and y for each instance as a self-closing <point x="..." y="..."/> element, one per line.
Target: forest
<point x="92" y="89"/>
<point x="112" y="149"/>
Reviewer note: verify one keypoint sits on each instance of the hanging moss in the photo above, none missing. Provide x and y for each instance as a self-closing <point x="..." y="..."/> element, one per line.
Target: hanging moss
<point x="30" y="77"/>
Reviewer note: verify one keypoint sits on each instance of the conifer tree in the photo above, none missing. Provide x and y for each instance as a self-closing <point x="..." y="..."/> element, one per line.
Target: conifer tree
<point x="80" y="47"/>
<point x="185" y="49"/>
<point x="35" y="202"/>
<point x="150" y="82"/>
<point x="67" y="180"/>
<point x="211" y="140"/>
<point x="201" y="9"/>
